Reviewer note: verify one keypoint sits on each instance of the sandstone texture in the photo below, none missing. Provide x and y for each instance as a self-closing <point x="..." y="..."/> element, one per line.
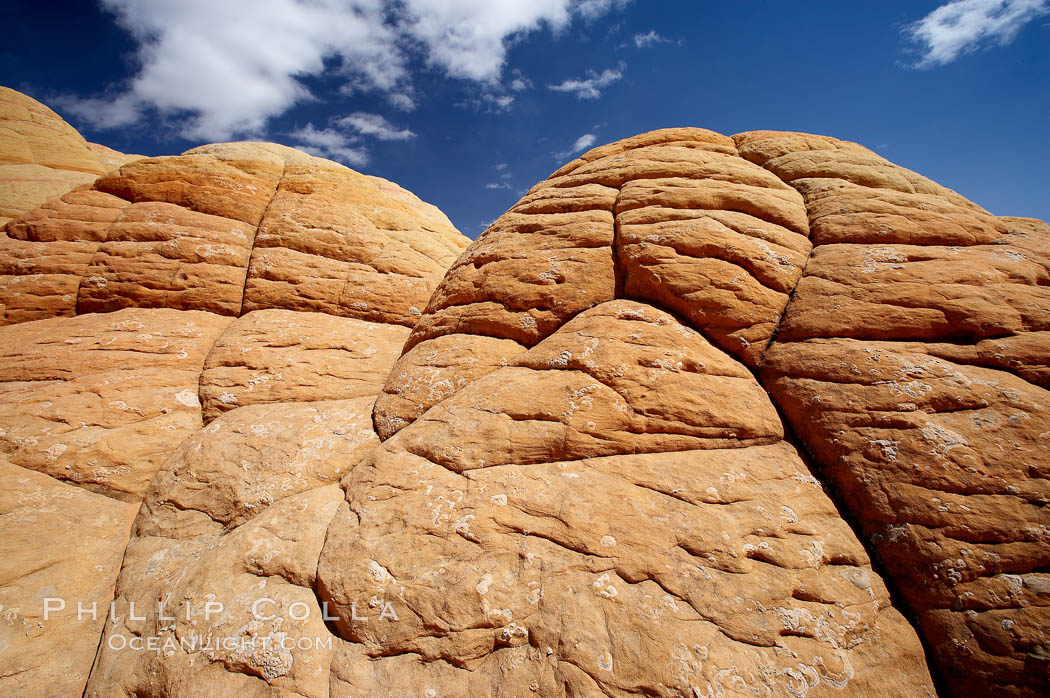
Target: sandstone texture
<point x="174" y="412"/>
<point x="228" y="228"/>
<point x="912" y="365"/>
<point x="287" y="356"/>
<point x="616" y="512"/>
<point x="42" y="157"/>
<point x="62" y="542"/>
<point x="700" y="415"/>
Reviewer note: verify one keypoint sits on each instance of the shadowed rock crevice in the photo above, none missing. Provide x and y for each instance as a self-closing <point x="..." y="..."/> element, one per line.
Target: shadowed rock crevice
<point x="251" y="255"/>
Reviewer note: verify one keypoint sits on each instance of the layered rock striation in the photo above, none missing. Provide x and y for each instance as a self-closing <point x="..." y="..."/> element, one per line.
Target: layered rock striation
<point x="43" y="157"/>
<point x="248" y="287"/>
<point x="899" y="328"/>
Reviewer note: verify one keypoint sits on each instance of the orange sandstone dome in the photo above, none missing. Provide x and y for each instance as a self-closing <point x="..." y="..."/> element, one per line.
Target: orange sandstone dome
<point x="646" y="435"/>
<point x="41" y="156"/>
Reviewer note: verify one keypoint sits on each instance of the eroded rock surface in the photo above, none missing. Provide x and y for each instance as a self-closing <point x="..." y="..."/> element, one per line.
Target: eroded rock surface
<point x="912" y="363"/>
<point x="287" y="356"/>
<point x="576" y="479"/>
<point x="60" y="545"/>
<point x="101" y="400"/>
<point x="228" y="228"/>
<point x="614" y="512"/>
<point x="238" y="518"/>
<point x="42" y="157"/>
<point x="674" y="217"/>
<point x="126" y="303"/>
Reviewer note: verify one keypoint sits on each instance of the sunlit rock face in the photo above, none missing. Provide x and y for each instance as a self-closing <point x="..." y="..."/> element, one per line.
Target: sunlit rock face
<point x="699" y="416"/>
<point x="43" y="157"/>
<point x="913" y="364"/>
<point x="897" y="328"/>
<point x="229" y="228"/>
<point x="248" y="287"/>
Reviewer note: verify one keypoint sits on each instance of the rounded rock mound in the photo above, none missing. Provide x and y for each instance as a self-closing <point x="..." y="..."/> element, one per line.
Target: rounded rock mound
<point x="900" y="329"/>
<point x="42" y="157"/>
<point x="248" y="286"/>
<point x="229" y="228"/>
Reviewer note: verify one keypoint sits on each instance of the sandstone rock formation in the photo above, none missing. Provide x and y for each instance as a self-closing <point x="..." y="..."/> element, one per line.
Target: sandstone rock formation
<point x="647" y="436"/>
<point x="912" y="365"/>
<point x="148" y="303"/>
<point x="42" y="157"/>
<point x="228" y="228"/>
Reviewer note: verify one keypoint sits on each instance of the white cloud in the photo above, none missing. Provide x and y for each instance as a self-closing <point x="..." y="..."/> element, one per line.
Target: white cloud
<point x="491" y="102"/>
<point x="374" y="125"/>
<point x="592" y="9"/>
<point x="225" y="67"/>
<point x="590" y="87"/>
<point x="582" y="143"/>
<point x="402" y="101"/>
<point x="963" y="26"/>
<point x="519" y="82"/>
<point x="500" y="166"/>
<point x="467" y="38"/>
<point x="650" y="38"/>
<point x="344" y="139"/>
<point x="500" y="102"/>
<point x="497" y="185"/>
<point x="331" y="144"/>
<point x="228" y="66"/>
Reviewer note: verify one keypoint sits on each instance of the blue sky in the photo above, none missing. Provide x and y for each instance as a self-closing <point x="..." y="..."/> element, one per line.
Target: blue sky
<point x="470" y="102"/>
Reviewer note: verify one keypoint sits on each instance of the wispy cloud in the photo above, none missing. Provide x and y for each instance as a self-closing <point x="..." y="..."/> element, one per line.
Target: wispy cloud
<point x="223" y="68"/>
<point x="402" y="101"/>
<point x="344" y="138"/>
<point x="491" y="102"/>
<point x="374" y="125"/>
<point x="591" y="86"/>
<point x="504" y="176"/>
<point x="331" y="144"/>
<point x="519" y="82"/>
<point x="964" y="26"/>
<point x="592" y="9"/>
<point x="650" y="38"/>
<point x="582" y="143"/>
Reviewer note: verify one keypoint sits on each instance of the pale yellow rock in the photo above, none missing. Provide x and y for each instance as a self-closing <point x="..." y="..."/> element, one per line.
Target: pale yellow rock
<point x="432" y="371"/>
<point x="61" y="546"/>
<point x="103" y="409"/>
<point x="343" y="243"/>
<point x="554" y="525"/>
<point x="287" y="356"/>
<point x="101" y="400"/>
<point x="41" y="156"/>
<point x="246" y="460"/>
<point x="259" y="577"/>
<point x="583" y="488"/>
<point x="240" y="512"/>
<point x="111" y="159"/>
